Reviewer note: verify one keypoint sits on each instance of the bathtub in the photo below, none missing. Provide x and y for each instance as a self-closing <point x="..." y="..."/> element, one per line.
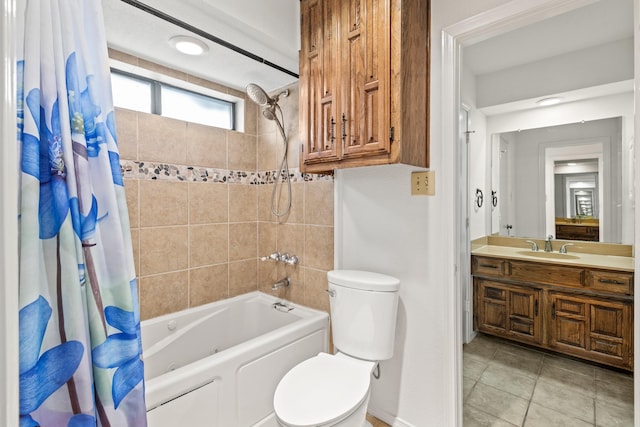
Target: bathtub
<point x="219" y="364"/>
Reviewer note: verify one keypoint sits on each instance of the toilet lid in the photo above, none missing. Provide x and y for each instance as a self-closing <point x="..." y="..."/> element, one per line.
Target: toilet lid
<point x="321" y="390"/>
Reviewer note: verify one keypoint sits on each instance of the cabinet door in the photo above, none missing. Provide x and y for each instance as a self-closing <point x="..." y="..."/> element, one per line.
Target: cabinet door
<point x="319" y="126"/>
<point x="595" y="329"/>
<point x="508" y="310"/>
<point x="365" y="77"/>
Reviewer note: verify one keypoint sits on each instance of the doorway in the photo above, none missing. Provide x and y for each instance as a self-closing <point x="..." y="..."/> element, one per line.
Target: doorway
<point x="491" y="23"/>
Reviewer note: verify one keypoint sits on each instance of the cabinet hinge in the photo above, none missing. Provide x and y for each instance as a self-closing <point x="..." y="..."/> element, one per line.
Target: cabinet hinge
<point x="392" y="133"/>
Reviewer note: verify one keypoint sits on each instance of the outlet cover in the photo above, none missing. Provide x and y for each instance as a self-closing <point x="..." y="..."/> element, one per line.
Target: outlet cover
<point x="423" y="183"/>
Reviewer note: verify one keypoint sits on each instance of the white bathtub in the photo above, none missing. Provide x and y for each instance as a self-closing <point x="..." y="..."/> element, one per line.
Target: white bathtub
<point x="219" y="364"/>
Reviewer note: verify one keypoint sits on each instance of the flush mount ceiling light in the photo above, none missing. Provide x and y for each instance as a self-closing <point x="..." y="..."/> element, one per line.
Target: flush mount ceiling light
<point x="549" y="101"/>
<point x="188" y="45"/>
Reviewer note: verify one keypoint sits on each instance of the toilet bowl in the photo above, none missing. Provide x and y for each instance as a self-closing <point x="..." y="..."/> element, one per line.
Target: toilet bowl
<point x="338" y="397"/>
<point x="333" y="390"/>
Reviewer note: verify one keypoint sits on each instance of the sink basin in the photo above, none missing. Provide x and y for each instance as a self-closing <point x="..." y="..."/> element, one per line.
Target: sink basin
<point x="548" y="255"/>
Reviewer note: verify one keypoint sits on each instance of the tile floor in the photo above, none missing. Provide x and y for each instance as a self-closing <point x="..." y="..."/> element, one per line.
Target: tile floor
<point x="506" y="385"/>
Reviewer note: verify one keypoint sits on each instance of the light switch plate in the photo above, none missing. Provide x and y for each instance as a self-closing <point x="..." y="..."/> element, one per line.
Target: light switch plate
<point x="423" y="183"/>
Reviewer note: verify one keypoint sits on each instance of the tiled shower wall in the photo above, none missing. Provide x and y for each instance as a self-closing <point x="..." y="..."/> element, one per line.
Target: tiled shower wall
<point x="199" y="205"/>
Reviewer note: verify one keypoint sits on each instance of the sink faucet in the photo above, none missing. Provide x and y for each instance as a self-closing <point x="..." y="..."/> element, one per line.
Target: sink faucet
<point x="547" y="244"/>
<point x="534" y="245"/>
<point x="563" y="248"/>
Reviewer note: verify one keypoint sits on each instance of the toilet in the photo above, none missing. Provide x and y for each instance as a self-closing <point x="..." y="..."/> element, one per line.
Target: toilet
<point x="333" y="390"/>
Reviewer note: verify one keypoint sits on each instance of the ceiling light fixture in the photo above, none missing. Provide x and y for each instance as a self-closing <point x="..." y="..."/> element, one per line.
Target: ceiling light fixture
<point x="188" y="45"/>
<point x="549" y="101"/>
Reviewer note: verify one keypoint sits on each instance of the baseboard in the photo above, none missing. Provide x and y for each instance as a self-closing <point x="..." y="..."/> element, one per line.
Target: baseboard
<point x="388" y="418"/>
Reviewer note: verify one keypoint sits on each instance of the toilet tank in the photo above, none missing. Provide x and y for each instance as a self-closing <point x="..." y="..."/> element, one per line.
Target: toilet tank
<point x="364" y="308"/>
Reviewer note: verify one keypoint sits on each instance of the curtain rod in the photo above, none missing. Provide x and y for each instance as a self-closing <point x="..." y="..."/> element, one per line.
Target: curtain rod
<point x="168" y="18"/>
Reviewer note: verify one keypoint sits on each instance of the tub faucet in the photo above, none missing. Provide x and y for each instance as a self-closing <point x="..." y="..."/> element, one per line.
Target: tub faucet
<point x="547" y="244"/>
<point x="282" y="283"/>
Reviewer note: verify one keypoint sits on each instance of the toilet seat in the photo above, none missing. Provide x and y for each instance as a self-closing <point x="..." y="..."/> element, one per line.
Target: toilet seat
<point x="321" y="391"/>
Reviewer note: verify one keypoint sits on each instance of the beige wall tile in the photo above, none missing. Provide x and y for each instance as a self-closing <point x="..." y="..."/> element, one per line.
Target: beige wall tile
<point x="318" y="247"/>
<point x="267" y="270"/>
<point x="131" y="192"/>
<point x="163" y="249"/>
<point x="243" y="239"/>
<point x="267" y="276"/>
<point x="152" y="66"/>
<point x="318" y="202"/>
<point x="127" y="132"/>
<point x="243" y="203"/>
<point x="243" y="277"/>
<point x="208" y="203"/>
<point x="135" y="243"/>
<point x="161" y="139"/>
<point x="209" y="244"/>
<point x="267" y="243"/>
<point x="291" y="240"/>
<point x="123" y="57"/>
<point x="315" y="282"/>
<point x="162" y="294"/>
<point x="242" y="151"/>
<point x="251" y="111"/>
<point x="267" y="149"/>
<point x="296" y="214"/>
<point x="207" y="83"/>
<point x="206" y="146"/>
<point x="163" y="203"/>
<point x="264" y="203"/>
<point x="296" y="290"/>
<point x="208" y="284"/>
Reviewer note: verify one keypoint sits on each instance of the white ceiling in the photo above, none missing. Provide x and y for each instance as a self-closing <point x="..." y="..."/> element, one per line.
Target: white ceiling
<point x="543" y="46"/>
<point x="598" y="23"/>
<point x="268" y="29"/>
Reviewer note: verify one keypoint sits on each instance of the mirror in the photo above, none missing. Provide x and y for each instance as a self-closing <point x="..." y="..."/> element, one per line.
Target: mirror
<point x="564" y="180"/>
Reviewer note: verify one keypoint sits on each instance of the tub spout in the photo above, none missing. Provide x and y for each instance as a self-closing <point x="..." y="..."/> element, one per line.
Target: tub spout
<point x="282" y="283"/>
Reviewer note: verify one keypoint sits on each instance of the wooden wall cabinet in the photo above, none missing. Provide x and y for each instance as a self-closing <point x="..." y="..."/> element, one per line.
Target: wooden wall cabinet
<point x="364" y="83"/>
<point x="580" y="311"/>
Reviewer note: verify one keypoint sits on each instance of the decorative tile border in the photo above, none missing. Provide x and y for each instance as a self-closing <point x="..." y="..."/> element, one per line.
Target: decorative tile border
<point x="169" y="172"/>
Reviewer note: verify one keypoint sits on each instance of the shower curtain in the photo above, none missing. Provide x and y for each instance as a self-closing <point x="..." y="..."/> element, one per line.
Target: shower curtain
<point x="80" y="348"/>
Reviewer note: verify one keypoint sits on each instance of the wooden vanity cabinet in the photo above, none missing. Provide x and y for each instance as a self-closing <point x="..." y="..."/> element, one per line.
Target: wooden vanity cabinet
<point x="592" y="328"/>
<point x="509" y="311"/>
<point x="579" y="311"/>
<point x="364" y="83"/>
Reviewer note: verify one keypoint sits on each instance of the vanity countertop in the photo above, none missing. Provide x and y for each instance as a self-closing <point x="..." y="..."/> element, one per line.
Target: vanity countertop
<point x="611" y="262"/>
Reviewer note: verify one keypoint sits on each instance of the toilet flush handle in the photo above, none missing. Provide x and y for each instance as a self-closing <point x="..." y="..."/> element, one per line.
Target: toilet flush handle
<point x="331" y="292"/>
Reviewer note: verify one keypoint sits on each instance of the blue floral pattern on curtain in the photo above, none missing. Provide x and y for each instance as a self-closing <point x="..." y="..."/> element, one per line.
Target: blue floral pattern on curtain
<point x="80" y="348"/>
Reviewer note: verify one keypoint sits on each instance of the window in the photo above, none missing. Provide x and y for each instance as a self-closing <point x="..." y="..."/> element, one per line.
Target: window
<point x="152" y="96"/>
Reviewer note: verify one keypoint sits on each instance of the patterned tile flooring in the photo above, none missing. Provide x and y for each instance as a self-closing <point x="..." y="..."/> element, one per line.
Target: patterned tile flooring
<point x="506" y="385"/>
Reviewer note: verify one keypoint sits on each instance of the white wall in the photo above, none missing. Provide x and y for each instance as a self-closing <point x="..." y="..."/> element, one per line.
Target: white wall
<point x="380" y="226"/>
<point x="479" y="175"/>
<point x="558" y="74"/>
<point x="8" y="223"/>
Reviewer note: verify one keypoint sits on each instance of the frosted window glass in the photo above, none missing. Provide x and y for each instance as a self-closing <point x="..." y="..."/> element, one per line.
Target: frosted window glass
<point x="131" y="93"/>
<point x="192" y="107"/>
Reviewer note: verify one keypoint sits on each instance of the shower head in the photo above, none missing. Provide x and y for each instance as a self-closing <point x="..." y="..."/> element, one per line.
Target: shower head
<point x="260" y="97"/>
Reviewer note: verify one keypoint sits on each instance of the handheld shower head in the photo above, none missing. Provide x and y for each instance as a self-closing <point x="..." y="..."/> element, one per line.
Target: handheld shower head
<point x="270" y="113"/>
<point x="260" y="97"/>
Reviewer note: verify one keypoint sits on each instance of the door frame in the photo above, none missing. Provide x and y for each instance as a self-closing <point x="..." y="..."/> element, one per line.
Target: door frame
<point x="9" y="341"/>
<point x="512" y="15"/>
